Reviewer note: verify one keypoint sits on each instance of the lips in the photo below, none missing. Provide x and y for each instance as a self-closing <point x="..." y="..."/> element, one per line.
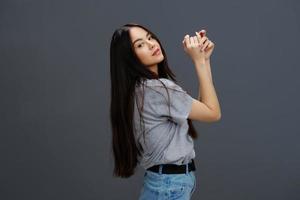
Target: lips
<point x="156" y="51"/>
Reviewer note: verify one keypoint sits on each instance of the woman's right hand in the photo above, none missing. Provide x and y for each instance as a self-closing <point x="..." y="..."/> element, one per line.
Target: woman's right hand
<point x="194" y="46"/>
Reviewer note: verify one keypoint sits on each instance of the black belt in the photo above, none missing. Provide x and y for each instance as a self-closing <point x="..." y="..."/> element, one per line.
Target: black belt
<point x="173" y="169"/>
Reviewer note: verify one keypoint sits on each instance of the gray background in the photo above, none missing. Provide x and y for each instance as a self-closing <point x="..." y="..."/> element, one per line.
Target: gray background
<point x="55" y="94"/>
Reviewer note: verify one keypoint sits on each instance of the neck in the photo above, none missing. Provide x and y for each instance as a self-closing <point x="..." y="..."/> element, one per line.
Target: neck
<point x="154" y="69"/>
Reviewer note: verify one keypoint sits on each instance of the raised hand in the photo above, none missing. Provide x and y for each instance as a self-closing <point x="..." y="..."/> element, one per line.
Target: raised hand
<point x="193" y="47"/>
<point x="209" y="46"/>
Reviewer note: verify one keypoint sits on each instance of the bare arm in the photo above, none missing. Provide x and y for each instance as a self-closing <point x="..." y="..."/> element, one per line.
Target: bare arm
<point x="207" y="65"/>
<point x="207" y="107"/>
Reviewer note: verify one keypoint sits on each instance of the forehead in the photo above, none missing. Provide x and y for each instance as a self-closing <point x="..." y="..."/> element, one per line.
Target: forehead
<point x="137" y="32"/>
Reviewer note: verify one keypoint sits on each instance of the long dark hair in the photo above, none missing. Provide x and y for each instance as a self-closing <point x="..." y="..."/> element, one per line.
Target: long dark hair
<point x="126" y="70"/>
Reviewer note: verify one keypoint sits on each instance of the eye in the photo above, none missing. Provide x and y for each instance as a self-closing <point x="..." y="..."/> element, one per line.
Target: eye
<point x="140" y="45"/>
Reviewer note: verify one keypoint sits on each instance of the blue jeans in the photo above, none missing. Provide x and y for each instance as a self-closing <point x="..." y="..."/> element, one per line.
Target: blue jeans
<point x="158" y="186"/>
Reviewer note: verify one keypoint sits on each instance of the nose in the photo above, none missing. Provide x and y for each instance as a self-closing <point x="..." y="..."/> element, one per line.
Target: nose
<point x="151" y="44"/>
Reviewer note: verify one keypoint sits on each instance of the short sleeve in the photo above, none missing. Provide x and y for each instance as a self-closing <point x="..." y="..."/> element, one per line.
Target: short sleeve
<point x="175" y="103"/>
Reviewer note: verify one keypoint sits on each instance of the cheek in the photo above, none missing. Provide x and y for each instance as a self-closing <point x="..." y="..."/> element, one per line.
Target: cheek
<point x="144" y="56"/>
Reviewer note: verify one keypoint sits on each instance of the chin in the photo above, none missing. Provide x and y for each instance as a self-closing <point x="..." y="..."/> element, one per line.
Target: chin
<point x="160" y="59"/>
<point x="156" y="63"/>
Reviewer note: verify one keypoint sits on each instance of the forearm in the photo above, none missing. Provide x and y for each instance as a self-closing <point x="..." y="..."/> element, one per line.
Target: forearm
<point x="207" y="64"/>
<point x="207" y="93"/>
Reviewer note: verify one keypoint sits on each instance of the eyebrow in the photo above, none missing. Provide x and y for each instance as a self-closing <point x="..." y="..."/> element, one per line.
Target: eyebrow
<point x="140" y="38"/>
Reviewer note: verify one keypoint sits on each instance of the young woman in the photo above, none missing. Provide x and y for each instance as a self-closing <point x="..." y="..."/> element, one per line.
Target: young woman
<point x="151" y="114"/>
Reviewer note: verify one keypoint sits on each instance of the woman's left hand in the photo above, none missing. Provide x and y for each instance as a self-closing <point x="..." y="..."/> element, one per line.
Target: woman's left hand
<point x="209" y="48"/>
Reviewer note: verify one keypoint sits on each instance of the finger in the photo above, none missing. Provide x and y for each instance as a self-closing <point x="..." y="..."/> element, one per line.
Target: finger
<point x="206" y="41"/>
<point x="203" y="32"/>
<point x="206" y="44"/>
<point x="184" y="39"/>
<point x="210" y="45"/>
<point x="192" y="41"/>
<point x="199" y="44"/>
<point x="203" y="39"/>
<point x="184" y="44"/>
<point x="198" y="37"/>
<point x="196" y="41"/>
<point x="187" y="40"/>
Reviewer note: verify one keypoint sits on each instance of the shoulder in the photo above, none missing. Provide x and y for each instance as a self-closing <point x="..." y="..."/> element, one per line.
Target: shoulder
<point x="161" y="83"/>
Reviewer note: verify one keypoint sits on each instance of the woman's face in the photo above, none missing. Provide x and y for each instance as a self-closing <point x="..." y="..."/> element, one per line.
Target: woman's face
<point x="145" y="46"/>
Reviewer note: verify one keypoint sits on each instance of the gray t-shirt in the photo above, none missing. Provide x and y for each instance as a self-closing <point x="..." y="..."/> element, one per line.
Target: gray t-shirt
<point x="165" y="140"/>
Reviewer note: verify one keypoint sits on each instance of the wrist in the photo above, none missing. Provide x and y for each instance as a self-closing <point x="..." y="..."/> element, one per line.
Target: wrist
<point x="199" y="61"/>
<point x="200" y="64"/>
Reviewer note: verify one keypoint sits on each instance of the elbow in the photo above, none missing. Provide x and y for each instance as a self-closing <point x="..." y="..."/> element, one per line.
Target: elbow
<point x="214" y="118"/>
<point x="218" y="117"/>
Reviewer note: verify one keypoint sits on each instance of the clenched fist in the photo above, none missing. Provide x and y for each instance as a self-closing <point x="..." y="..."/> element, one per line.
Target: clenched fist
<point x="197" y="47"/>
